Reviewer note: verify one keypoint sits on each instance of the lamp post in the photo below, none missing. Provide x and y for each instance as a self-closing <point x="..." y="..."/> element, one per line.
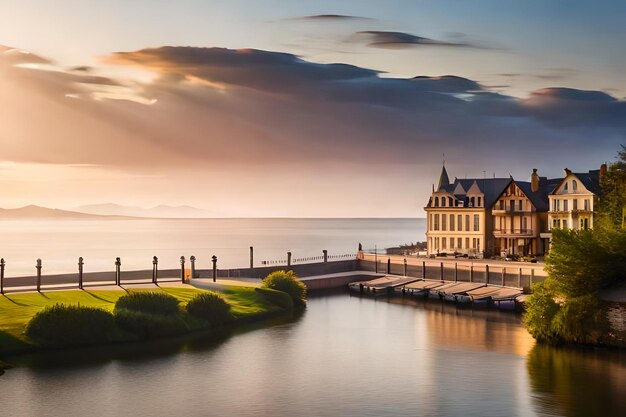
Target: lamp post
<point x="192" y="259"/>
<point x="80" y="273"/>
<point x="155" y="269"/>
<point x="182" y="269"/>
<point x="2" y="263"/>
<point x="118" y="272"/>
<point x="214" y="260"/>
<point x="38" y="266"/>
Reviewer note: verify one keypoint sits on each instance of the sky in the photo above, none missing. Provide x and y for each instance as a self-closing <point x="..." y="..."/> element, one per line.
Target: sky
<point x="301" y="109"/>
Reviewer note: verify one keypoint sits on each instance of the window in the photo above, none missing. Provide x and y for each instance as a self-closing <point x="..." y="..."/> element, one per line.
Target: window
<point x="443" y="243"/>
<point x="436" y="221"/>
<point x="584" y="224"/>
<point x="459" y="243"/>
<point x="565" y="186"/>
<point x="450" y="202"/>
<point x="501" y="202"/>
<point x="557" y="205"/>
<point x="467" y="228"/>
<point x="436" y="201"/>
<point x="472" y="202"/>
<point x="443" y="222"/>
<point x="452" y="222"/>
<point x="476" y="223"/>
<point x="459" y="222"/>
<point x="437" y="243"/>
<point x="443" y="201"/>
<point x="520" y="203"/>
<point x="474" y="243"/>
<point x="575" y="204"/>
<point x="574" y="185"/>
<point x="478" y="244"/>
<point x="587" y="205"/>
<point x="555" y="223"/>
<point x="524" y="224"/>
<point x="564" y="224"/>
<point x="451" y="243"/>
<point x="467" y="243"/>
<point x="565" y="205"/>
<point x="479" y="202"/>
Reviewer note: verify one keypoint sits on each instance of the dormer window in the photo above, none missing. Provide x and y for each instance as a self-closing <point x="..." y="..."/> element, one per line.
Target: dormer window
<point x="565" y="186"/>
<point x="436" y="201"/>
<point x="479" y="201"/>
<point x="450" y="202"/>
<point x="574" y="185"/>
<point x="472" y="202"/>
<point x="443" y="201"/>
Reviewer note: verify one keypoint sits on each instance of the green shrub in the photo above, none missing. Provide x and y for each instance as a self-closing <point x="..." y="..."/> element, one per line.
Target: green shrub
<point x="279" y="298"/>
<point x="66" y="325"/>
<point x="146" y="325"/>
<point x="287" y="281"/>
<point x="540" y="312"/>
<point x="211" y="307"/>
<point x="151" y="302"/>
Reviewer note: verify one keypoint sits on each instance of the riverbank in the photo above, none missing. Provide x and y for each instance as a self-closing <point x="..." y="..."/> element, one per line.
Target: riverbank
<point x="16" y="310"/>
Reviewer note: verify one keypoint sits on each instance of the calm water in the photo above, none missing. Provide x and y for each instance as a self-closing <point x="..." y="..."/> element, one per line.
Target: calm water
<point x="345" y="356"/>
<point x="59" y="243"/>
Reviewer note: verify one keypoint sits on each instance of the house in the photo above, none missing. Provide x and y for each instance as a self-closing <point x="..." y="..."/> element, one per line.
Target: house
<point x="520" y="215"/>
<point x="458" y="215"/>
<point x="573" y="200"/>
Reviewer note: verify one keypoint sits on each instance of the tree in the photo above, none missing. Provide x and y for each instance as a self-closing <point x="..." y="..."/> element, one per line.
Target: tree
<point x="612" y="203"/>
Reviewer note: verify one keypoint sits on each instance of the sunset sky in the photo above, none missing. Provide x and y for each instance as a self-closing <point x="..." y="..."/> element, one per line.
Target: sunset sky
<point x="300" y="108"/>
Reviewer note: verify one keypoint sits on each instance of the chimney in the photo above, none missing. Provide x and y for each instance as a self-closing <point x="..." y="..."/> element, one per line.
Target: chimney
<point x="567" y="172"/>
<point x="534" y="181"/>
<point x="602" y="170"/>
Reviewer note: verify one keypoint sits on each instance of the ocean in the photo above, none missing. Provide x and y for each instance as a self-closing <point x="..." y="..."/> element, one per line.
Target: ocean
<point x="59" y="243"/>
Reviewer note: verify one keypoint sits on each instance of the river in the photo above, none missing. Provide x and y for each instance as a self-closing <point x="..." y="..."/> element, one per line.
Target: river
<point x="345" y="356"/>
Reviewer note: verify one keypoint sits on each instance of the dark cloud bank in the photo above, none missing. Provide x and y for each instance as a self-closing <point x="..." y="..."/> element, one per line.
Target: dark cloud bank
<point x="221" y="107"/>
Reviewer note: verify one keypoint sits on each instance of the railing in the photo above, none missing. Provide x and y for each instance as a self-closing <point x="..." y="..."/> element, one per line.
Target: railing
<point x="514" y="275"/>
<point x="514" y="232"/>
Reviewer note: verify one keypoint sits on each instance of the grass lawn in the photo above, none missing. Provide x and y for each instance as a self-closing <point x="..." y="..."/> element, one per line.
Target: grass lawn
<point x="17" y="309"/>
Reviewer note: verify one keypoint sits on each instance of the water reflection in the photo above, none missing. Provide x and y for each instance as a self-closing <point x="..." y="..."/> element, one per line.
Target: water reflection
<point x="145" y="351"/>
<point x="577" y="382"/>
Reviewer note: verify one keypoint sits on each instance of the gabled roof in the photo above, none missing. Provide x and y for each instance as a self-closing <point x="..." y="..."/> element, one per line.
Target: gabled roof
<point x="491" y="188"/>
<point x="591" y="181"/>
<point x="539" y="198"/>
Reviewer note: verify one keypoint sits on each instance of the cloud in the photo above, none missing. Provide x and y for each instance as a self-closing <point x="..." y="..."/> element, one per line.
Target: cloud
<point x="222" y="109"/>
<point x="330" y="17"/>
<point x="262" y="70"/>
<point x="386" y="39"/>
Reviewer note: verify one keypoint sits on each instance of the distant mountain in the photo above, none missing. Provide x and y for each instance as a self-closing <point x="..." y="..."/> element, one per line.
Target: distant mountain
<point x="160" y="211"/>
<point x="37" y="212"/>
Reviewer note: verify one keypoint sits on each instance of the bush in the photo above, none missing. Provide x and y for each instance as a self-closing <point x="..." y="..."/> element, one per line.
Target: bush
<point x="211" y="307"/>
<point x="146" y="325"/>
<point x="151" y="302"/>
<point x="287" y="281"/>
<point x="66" y="325"/>
<point x="540" y="312"/>
<point x="279" y="298"/>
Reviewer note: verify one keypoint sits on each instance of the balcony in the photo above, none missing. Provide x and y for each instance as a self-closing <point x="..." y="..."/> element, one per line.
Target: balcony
<point x="582" y="212"/>
<point x="514" y="233"/>
<point x="508" y="211"/>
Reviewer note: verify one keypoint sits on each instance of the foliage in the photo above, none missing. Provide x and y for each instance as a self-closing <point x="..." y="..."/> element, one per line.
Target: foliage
<point x="211" y="307"/>
<point x="66" y="325"/>
<point x="565" y="307"/>
<point x="151" y="302"/>
<point x="279" y="298"/>
<point x="147" y="325"/>
<point x="287" y="281"/>
<point x="581" y="320"/>
<point x="612" y="203"/>
<point x="541" y="308"/>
